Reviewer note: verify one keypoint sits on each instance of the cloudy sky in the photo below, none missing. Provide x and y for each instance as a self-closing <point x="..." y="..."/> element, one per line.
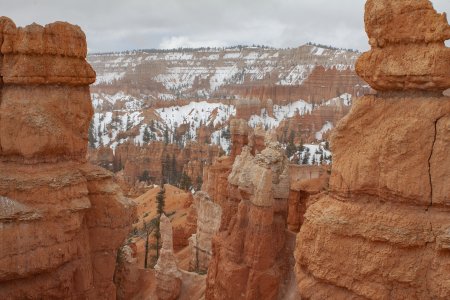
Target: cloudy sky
<point x="113" y="25"/>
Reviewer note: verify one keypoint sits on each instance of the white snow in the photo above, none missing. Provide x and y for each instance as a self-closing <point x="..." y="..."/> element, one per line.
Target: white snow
<point x="325" y="128"/>
<point x="296" y="76"/>
<point x="314" y="152"/>
<point x="221" y="75"/>
<point x="232" y="55"/>
<point x="108" y="77"/>
<point x="195" y="114"/>
<point x="280" y="113"/>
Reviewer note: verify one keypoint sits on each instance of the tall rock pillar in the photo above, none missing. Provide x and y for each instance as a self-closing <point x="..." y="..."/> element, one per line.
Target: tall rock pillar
<point x="383" y="230"/>
<point x="61" y="219"/>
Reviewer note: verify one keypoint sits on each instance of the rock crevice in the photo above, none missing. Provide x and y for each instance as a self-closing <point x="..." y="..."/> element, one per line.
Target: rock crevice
<point x="383" y="228"/>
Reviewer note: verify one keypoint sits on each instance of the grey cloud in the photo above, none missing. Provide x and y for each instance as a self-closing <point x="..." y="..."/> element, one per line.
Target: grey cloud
<point x="137" y="24"/>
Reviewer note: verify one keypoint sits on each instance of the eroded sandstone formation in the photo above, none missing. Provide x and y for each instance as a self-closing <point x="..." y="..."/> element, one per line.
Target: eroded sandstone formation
<point x="408" y="50"/>
<point x="382" y="232"/>
<point x="248" y="254"/>
<point x="209" y="215"/>
<point x="153" y="161"/>
<point x="306" y="182"/>
<point x="62" y="219"/>
<point x="168" y="277"/>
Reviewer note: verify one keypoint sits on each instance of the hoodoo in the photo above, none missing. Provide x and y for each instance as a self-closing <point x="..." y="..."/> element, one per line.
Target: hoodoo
<point x="62" y="219"/>
<point x="383" y="230"/>
<point x="248" y="259"/>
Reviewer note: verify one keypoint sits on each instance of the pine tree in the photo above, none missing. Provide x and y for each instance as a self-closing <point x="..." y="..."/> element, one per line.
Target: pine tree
<point x="173" y="170"/>
<point x="185" y="182"/>
<point x="160" y="203"/>
<point x="166" y="168"/>
<point x="91" y="136"/>
<point x="305" y="160"/>
<point x="145" y="176"/>
<point x="291" y="148"/>
<point x="147" y="137"/>
<point x="166" y="135"/>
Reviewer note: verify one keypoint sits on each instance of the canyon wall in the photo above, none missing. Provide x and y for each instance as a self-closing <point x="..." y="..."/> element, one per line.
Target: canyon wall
<point x="62" y="219"/>
<point x="322" y="83"/>
<point x="382" y="231"/>
<point x="156" y="159"/>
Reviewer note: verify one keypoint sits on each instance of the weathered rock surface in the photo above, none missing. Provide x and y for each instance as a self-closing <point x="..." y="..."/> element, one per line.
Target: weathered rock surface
<point x="382" y="232"/>
<point x="306" y="182"/>
<point x="209" y="216"/>
<point x="62" y="219"/>
<point x="168" y="277"/>
<point x="408" y="50"/>
<point x="215" y="184"/>
<point x="248" y="256"/>
<point x="154" y="160"/>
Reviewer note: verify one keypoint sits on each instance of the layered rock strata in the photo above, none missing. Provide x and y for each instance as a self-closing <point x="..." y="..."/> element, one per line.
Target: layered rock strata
<point x="62" y="219"/>
<point x="306" y="183"/>
<point x="153" y="161"/>
<point x="209" y="215"/>
<point x="168" y="277"/>
<point x="382" y="232"/>
<point x="248" y="256"/>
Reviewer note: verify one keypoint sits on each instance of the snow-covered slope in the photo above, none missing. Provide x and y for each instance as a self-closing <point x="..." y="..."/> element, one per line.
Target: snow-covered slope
<point x="171" y="74"/>
<point x="133" y="122"/>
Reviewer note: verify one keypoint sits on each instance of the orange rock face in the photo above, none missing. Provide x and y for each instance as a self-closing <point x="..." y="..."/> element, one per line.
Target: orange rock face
<point x="248" y="260"/>
<point x="408" y="50"/>
<point x="382" y="232"/>
<point x="134" y="160"/>
<point x="62" y="219"/>
<point x="321" y="84"/>
<point x="306" y="182"/>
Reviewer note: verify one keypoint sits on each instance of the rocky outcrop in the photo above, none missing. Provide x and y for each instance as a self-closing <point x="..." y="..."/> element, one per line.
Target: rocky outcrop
<point x="209" y="215"/>
<point x="248" y="256"/>
<point x="322" y="83"/>
<point x="62" y="219"/>
<point x="168" y="277"/>
<point x="383" y="229"/>
<point x="390" y="65"/>
<point x="215" y="184"/>
<point x="306" y="182"/>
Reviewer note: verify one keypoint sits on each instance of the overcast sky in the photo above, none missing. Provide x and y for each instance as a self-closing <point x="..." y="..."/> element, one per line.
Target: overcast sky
<point x="112" y="25"/>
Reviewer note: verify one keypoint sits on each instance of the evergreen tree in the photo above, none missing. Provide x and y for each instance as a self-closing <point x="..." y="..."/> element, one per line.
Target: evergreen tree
<point x="91" y="136"/>
<point x="185" y="182"/>
<point x="305" y="160"/>
<point x="148" y="229"/>
<point x="173" y="170"/>
<point x="145" y="176"/>
<point x="160" y="203"/>
<point x="291" y="148"/>
<point x="147" y="137"/>
<point x="166" y="135"/>
<point x="166" y="168"/>
<point x="226" y="134"/>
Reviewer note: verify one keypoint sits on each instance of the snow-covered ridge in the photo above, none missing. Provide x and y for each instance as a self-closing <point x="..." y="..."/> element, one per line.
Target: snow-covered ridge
<point x="183" y="73"/>
<point x="128" y="119"/>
